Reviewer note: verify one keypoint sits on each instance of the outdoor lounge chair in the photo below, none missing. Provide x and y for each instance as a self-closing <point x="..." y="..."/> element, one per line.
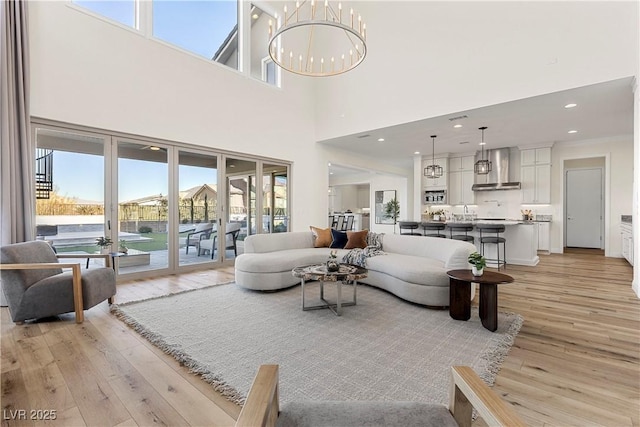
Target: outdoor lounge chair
<point x="35" y="286"/>
<point x="468" y="391"/>
<point x="201" y="231"/>
<point x="231" y="238"/>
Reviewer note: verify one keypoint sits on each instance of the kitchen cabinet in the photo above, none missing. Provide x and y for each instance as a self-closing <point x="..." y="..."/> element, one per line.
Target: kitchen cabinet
<point x="627" y="242"/>
<point x="460" y="192"/>
<point x="441" y="182"/>
<point x="535" y="156"/>
<point x="535" y="175"/>
<point x="461" y="180"/>
<point x="544" y="236"/>
<point x="463" y="163"/>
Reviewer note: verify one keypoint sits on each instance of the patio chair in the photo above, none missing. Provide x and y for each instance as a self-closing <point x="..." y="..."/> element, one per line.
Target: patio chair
<point x="262" y="407"/>
<point x="231" y="238"/>
<point x="35" y="286"/>
<point x="201" y="231"/>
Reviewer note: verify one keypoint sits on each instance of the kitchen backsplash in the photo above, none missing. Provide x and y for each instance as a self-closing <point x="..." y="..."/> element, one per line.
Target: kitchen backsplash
<point x="499" y="204"/>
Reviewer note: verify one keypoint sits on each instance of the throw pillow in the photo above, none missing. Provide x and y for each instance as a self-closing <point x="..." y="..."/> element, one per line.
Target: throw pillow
<point x="356" y="239"/>
<point x="321" y="237"/>
<point x="339" y="239"/>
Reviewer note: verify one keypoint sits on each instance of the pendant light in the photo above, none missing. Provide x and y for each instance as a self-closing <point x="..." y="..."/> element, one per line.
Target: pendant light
<point x="433" y="171"/>
<point x="482" y="166"/>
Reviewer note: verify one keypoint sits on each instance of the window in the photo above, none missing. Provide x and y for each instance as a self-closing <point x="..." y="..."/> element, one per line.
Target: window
<point x="206" y="28"/>
<point x="269" y="71"/>
<point x="262" y="67"/>
<point x="122" y="11"/>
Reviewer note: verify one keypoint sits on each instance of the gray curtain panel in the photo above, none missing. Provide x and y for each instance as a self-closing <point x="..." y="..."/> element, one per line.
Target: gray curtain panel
<point x="17" y="214"/>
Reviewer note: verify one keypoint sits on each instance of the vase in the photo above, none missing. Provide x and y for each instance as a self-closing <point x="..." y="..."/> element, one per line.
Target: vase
<point x="333" y="265"/>
<point x="477" y="272"/>
<point x="105" y="250"/>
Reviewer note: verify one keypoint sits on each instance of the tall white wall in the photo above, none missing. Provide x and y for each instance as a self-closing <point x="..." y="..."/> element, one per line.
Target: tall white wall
<point x="430" y="58"/>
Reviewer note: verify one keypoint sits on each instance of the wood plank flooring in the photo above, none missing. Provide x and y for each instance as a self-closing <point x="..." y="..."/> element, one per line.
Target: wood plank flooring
<point x="576" y="361"/>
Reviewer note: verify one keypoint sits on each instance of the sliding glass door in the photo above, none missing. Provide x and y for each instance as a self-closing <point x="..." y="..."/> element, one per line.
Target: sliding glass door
<point x="143" y="206"/>
<point x="70" y="189"/>
<point x="198" y="211"/>
<point x="165" y="207"/>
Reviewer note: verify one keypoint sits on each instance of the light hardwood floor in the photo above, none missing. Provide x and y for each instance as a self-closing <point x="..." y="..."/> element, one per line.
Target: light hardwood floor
<point x="576" y="361"/>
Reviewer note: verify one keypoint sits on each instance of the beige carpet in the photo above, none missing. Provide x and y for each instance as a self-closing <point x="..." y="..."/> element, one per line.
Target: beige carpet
<point x="382" y="349"/>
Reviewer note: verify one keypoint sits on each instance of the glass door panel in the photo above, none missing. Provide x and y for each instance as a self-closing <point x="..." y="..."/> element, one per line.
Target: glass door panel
<point x="143" y="183"/>
<point x="241" y="202"/>
<point x="70" y="187"/>
<point x="275" y="198"/>
<point x="197" y="208"/>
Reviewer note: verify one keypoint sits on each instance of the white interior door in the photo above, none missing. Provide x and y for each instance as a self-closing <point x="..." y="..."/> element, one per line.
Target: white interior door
<point x="584" y="208"/>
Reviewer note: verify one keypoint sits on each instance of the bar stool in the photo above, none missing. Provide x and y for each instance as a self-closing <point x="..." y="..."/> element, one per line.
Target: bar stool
<point x="493" y="231"/>
<point x="409" y="225"/>
<point x="433" y="226"/>
<point x="461" y="228"/>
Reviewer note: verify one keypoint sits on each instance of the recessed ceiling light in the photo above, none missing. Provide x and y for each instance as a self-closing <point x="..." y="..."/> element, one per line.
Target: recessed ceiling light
<point x="380" y="139"/>
<point x="255" y="16"/>
<point x="457" y="126"/>
<point x="329" y="164"/>
<point x="154" y="148"/>
<point x="330" y="173"/>
<point x="416" y="152"/>
<point x="573" y="131"/>
<point x="570" y="105"/>
<point x="482" y="143"/>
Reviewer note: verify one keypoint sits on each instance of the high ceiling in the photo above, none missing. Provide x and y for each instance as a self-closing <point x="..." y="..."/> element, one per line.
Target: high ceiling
<point x="602" y="110"/>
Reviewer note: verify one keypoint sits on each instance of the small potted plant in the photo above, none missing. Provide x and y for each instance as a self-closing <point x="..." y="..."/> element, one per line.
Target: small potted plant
<point x="478" y="263"/>
<point x="104" y="243"/>
<point x="332" y="263"/>
<point x="123" y="247"/>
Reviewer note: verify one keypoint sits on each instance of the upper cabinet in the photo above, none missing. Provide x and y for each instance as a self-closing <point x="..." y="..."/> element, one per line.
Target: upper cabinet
<point x="435" y="182"/>
<point x="535" y="175"/>
<point x="461" y="180"/>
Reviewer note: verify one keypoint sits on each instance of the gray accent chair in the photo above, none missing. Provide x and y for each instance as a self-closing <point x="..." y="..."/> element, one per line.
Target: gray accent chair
<point x="468" y="391"/>
<point x="35" y="285"/>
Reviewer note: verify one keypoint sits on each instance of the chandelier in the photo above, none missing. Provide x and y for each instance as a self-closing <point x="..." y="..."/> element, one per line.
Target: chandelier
<point x="433" y="171"/>
<point x="482" y="166"/>
<point x="317" y="39"/>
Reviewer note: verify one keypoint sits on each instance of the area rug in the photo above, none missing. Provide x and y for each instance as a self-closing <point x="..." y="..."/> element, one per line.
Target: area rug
<point x="384" y="348"/>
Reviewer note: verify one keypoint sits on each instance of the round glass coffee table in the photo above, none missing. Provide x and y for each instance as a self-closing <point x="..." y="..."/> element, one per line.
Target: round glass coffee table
<point x="347" y="273"/>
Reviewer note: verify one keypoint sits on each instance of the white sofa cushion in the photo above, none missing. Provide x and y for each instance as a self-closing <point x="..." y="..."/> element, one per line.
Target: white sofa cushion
<point x="412" y="269"/>
<point x="285" y="260"/>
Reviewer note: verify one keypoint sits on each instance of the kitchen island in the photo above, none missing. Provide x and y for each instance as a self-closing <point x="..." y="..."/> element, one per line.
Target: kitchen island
<point x="521" y="236"/>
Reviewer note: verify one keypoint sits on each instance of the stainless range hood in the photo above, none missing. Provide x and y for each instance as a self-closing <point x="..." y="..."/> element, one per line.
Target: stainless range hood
<point x="499" y="178"/>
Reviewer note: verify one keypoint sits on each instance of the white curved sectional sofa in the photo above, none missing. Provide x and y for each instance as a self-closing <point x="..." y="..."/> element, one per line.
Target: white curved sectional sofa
<point x="413" y="268"/>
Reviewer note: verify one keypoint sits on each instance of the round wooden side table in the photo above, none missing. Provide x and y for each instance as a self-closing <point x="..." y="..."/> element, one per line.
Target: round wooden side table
<point x="460" y="295"/>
